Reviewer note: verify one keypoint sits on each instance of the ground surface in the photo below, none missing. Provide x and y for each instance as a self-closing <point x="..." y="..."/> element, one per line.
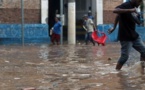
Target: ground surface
<point x="67" y="67"/>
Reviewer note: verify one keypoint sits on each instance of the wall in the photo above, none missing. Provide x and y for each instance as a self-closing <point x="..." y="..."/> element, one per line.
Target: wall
<point x="108" y="6"/>
<point x="10" y="11"/>
<point x="33" y="33"/>
<point x="113" y="37"/>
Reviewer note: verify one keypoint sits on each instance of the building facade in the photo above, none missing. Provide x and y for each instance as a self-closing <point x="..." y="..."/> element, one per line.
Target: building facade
<point x="10" y="10"/>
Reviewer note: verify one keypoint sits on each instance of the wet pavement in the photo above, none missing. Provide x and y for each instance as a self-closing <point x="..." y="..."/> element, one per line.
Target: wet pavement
<point x="68" y="67"/>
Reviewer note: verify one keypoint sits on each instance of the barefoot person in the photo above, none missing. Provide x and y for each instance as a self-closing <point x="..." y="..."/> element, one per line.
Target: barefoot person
<point x="89" y="27"/>
<point x="56" y="31"/>
<point x="127" y="35"/>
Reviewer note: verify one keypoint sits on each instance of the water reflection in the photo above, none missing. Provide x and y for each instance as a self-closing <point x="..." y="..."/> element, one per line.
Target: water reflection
<point x="44" y="52"/>
<point x="67" y="67"/>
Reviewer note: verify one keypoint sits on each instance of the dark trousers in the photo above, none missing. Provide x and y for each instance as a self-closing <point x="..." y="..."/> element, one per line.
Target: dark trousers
<point x="55" y="38"/>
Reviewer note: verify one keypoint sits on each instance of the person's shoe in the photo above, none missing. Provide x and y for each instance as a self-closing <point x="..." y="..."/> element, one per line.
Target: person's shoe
<point x="118" y="66"/>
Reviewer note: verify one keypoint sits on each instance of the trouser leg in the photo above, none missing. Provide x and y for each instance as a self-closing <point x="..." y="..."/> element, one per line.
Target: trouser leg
<point x="140" y="47"/>
<point x="91" y="39"/>
<point x="53" y="38"/>
<point x="57" y="39"/>
<point x="86" y="38"/>
<point x="125" y="49"/>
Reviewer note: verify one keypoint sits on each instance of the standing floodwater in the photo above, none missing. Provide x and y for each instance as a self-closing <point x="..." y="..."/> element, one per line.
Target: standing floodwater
<point x="68" y="67"/>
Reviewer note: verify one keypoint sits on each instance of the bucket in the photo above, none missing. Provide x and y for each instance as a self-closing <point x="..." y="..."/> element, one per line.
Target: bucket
<point x="99" y="39"/>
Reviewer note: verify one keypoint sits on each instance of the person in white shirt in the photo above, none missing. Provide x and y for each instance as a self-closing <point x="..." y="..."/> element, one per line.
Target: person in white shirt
<point x="89" y="27"/>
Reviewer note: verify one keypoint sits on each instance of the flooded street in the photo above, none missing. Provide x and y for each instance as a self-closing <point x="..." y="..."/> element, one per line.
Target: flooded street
<point x="68" y="67"/>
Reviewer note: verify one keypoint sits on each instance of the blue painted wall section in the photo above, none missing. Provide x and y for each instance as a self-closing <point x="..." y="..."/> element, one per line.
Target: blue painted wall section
<point x="38" y="33"/>
<point x="33" y="33"/>
<point x="141" y="32"/>
<point x="113" y="37"/>
<point x="110" y="37"/>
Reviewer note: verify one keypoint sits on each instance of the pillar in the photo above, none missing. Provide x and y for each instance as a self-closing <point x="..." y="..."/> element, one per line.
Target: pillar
<point x="144" y="11"/>
<point x="44" y="11"/>
<point x="71" y="22"/>
<point x="99" y="12"/>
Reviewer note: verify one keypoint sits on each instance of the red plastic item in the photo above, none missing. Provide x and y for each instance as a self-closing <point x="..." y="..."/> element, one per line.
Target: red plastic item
<point x="101" y="39"/>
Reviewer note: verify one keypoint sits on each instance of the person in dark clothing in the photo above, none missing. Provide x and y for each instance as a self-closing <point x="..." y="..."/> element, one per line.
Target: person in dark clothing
<point x="127" y="35"/>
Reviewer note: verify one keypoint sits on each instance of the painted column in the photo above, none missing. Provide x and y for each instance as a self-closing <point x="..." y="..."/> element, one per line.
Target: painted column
<point x="144" y="11"/>
<point x="44" y="11"/>
<point x="22" y="27"/>
<point x="99" y="11"/>
<point x="71" y="22"/>
<point x="94" y="11"/>
<point x="61" y="19"/>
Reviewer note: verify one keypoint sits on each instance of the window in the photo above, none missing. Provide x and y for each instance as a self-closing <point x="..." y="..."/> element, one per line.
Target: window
<point x="81" y="5"/>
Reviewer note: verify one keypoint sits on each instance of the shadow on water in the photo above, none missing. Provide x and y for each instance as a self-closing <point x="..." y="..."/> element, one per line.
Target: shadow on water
<point x="66" y="67"/>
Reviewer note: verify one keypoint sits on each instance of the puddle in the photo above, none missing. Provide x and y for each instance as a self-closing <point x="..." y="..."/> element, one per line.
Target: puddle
<point x="67" y="67"/>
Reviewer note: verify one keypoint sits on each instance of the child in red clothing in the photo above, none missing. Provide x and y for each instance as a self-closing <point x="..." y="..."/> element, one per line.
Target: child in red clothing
<point x="56" y="31"/>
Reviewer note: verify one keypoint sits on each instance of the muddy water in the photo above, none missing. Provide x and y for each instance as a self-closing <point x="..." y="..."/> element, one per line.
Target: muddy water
<point x="67" y="67"/>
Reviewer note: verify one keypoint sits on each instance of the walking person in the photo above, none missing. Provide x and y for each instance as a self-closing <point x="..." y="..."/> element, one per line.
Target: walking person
<point x="56" y="31"/>
<point x="89" y="27"/>
<point x="127" y="35"/>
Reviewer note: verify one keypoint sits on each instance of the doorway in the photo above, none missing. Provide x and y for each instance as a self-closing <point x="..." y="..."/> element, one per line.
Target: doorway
<point x="54" y="8"/>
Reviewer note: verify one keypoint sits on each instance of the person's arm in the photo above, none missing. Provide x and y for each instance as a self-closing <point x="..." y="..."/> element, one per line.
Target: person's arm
<point x="84" y="27"/>
<point x="119" y="10"/>
<point x="51" y="31"/>
<point x="92" y="23"/>
<point x="94" y="27"/>
<point x="115" y="24"/>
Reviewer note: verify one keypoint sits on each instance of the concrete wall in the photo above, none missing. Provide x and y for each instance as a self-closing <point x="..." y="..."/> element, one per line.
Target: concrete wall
<point x="33" y="33"/>
<point x="10" y="11"/>
<point x="38" y="33"/>
<point x="108" y="6"/>
<point x="113" y="37"/>
<point x="29" y="4"/>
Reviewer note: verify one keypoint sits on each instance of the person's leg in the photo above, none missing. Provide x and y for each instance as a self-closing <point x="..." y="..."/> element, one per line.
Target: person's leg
<point x="53" y="38"/>
<point x="125" y="49"/>
<point x="91" y="39"/>
<point x="57" y="39"/>
<point x="86" y="38"/>
<point x="140" y="47"/>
